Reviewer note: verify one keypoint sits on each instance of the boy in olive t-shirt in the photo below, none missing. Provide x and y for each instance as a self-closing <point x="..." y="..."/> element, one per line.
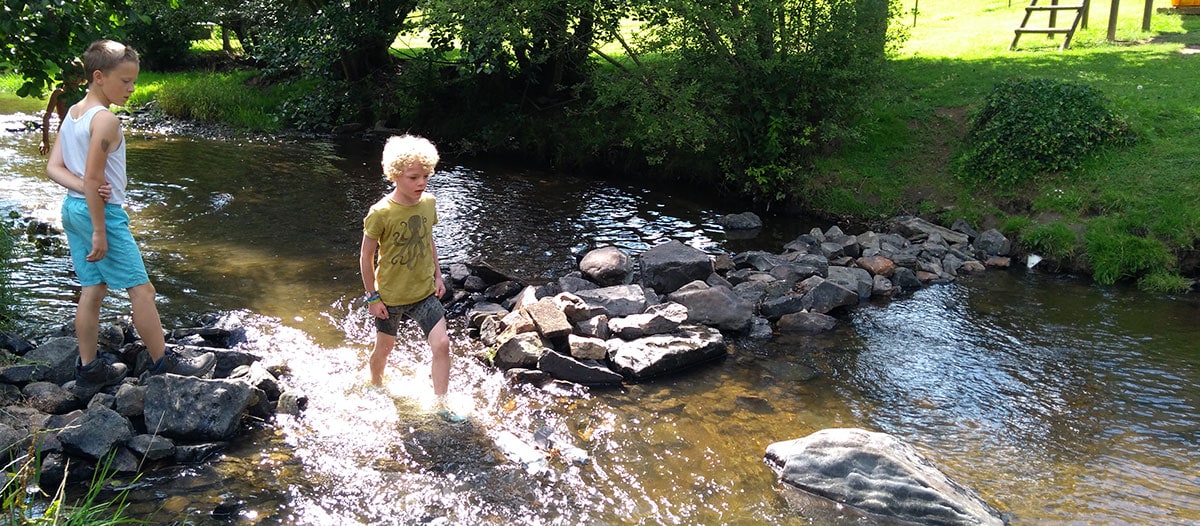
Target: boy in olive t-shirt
<point x="399" y="261"/>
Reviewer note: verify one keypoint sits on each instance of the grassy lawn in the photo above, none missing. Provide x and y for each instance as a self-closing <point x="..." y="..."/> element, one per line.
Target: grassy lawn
<point x="956" y="53"/>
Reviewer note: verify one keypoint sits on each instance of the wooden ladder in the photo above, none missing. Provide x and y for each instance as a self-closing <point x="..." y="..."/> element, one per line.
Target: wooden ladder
<point x="1053" y="9"/>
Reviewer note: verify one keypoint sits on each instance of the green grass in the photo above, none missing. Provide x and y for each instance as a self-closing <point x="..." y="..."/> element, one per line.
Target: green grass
<point x="957" y="53"/>
<point x="225" y="98"/>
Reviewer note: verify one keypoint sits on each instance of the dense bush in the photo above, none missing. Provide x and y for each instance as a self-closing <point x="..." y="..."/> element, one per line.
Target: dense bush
<point x="1028" y="128"/>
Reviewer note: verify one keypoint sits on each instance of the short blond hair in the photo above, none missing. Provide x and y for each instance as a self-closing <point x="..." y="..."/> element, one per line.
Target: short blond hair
<point x="403" y="151"/>
<point x="106" y="55"/>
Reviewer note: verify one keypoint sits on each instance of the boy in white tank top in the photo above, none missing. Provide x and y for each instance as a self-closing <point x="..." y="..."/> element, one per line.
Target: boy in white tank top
<point x="89" y="160"/>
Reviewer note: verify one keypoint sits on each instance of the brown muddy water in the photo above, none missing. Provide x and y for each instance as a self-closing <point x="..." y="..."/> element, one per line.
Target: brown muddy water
<point x="1059" y="401"/>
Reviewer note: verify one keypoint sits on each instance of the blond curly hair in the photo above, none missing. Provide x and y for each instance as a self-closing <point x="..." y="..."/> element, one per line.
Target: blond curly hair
<point x="403" y="151"/>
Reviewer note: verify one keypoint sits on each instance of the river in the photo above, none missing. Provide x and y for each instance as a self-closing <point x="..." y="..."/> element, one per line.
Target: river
<point x="1057" y="400"/>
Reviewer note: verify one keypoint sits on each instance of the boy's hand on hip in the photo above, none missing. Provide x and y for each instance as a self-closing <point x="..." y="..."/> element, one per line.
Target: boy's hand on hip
<point x="105" y="192"/>
<point x="378" y="310"/>
<point x="99" y="247"/>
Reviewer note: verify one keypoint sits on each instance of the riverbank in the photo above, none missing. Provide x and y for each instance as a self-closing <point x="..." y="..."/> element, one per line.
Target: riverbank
<point x="1126" y="215"/>
<point x="979" y="374"/>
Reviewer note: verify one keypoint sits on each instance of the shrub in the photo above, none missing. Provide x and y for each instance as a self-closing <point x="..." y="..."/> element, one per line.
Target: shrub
<point x="1054" y="240"/>
<point x="1116" y="254"/>
<point x="1028" y="128"/>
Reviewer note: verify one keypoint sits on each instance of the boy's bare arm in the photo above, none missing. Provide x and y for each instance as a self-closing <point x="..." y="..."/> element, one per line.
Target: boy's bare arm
<point x="56" y="170"/>
<point x="439" y="285"/>
<point x="366" y="266"/>
<point x="106" y="135"/>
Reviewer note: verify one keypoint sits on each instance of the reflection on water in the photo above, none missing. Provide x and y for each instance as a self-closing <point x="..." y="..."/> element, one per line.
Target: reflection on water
<point x="1057" y="401"/>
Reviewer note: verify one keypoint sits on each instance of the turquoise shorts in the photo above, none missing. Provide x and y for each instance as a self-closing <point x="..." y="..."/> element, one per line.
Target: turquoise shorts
<point x="122" y="266"/>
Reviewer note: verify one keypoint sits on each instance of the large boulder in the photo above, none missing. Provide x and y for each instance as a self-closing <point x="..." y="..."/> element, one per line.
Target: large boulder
<point x="607" y="266"/>
<point x="718" y="307"/>
<point x="671" y="265"/>
<point x="666" y="353"/>
<point x="95" y="433"/>
<point x="878" y="474"/>
<point x="196" y="409"/>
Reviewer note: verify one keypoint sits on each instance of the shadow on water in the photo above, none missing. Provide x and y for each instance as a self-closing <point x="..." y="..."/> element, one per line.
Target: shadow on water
<point x="1058" y="401"/>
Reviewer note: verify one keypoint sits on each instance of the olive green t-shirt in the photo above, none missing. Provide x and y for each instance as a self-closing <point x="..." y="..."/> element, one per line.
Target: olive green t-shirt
<point x="404" y="263"/>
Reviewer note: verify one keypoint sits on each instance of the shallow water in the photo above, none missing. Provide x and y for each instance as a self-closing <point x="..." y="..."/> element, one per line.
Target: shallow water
<point x="1058" y="401"/>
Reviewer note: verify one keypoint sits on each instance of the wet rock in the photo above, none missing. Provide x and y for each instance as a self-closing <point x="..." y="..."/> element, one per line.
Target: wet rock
<point x="583" y="372"/>
<point x="50" y="398"/>
<point x="666" y="353"/>
<point x="917" y="229"/>
<point x="760" y="329"/>
<point x="96" y="433"/>
<point x="822" y="295"/>
<point x="595" y="327"/>
<point x="993" y="243"/>
<point x="485" y="271"/>
<point x="503" y="290"/>
<point x="671" y="265"/>
<point x="806" y="323"/>
<point x="877" y="265"/>
<point x="616" y="301"/>
<point x="53" y="361"/>
<point x="257" y="376"/>
<point x="10" y="440"/>
<point x="130" y="400"/>
<point x="194" y="453"/>
<point x="549" y="319"/>
<point x="852" y="278"/>
<point x="714" y="306"/>
<point x="774" y="308"/>
<point x="906" y="280"/>
<point x="587" y="348"/>
<point x="523" y="351"/>
<point x="607" y="266"/>
<point x="658" y="319"/>
<point x="291" y="403"/>
<point x="571" y="283"/>
<point x="152" y="447"/>
<point x="15" y="344"/>
<point x="742" y="221"/>
<point x="878" y="474"/>
<point x="196" y="409"/>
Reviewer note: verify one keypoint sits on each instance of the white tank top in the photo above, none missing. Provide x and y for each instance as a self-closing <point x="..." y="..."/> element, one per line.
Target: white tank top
<point x="75" y="136"/>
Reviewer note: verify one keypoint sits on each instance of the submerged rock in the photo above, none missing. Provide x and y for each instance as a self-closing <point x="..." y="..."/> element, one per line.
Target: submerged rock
<point x="878" y="474"/>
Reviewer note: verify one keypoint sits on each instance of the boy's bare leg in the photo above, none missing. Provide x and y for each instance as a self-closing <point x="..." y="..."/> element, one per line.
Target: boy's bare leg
<point x="87" y="321"/>
<point x="146" y="320"/>
<point x="383" y="347"/>
<point x="439" y="343"/>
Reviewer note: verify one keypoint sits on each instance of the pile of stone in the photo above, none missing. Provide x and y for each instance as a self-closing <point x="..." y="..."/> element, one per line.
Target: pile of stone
<point x="622" y="318"/>
<point x="144" y="420"/>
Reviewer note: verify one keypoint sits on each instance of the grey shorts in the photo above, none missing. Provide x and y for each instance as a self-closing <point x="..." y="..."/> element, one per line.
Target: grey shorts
<point x="427" y="313"/>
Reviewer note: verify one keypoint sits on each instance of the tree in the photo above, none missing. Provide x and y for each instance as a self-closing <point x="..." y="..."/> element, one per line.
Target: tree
<point x="542" y="44"/>
<point x="43" y="36"/>
<point x="758" y="86"/>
